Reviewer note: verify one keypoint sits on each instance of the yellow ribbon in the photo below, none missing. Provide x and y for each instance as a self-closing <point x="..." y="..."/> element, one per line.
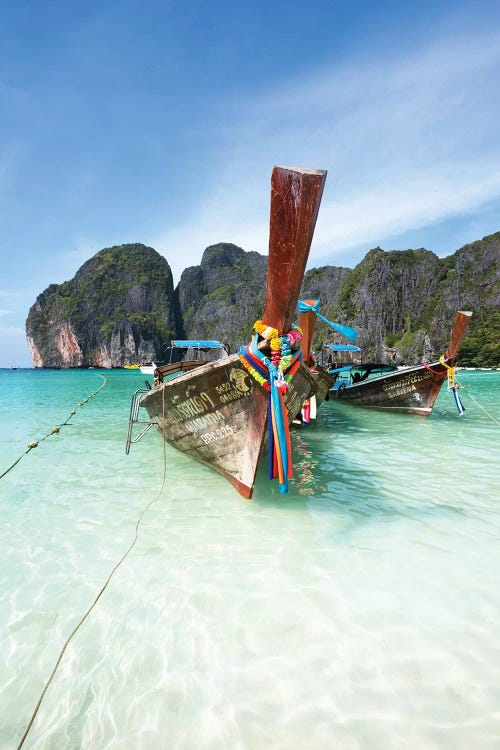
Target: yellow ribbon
<point x="451" y="372"/>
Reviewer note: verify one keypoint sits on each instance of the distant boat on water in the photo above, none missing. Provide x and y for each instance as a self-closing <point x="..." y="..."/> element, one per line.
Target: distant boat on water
<point x="403" y="389"/>
<point x="195" y="349"/>
<point x="219" y="412"/>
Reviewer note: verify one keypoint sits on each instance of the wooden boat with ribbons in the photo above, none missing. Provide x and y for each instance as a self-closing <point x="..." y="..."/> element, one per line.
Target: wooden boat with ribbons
<point x="221" y="413"/>
<point x="411" y="390"/>
<point x="308" y="314"/>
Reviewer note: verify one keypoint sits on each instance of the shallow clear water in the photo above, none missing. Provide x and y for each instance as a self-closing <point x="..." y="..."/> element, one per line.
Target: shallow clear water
<point x="361" y="611"/>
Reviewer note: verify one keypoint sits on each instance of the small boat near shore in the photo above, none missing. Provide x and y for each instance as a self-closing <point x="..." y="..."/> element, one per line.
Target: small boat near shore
<point x="411" y="390"/>
<point x="221" y="413"/>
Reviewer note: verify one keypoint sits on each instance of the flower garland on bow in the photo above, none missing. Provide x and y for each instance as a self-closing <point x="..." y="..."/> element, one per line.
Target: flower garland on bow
<point x="274" y="374"/>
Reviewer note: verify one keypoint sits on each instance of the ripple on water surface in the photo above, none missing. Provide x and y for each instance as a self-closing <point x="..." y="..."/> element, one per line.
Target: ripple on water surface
<point x="362" y="610"/>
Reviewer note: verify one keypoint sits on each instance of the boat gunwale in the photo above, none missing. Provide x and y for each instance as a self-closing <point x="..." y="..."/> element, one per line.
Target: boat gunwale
<point x="396" y="373"/>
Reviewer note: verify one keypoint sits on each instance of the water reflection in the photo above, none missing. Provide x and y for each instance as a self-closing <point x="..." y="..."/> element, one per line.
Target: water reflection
<point x="369" y="466"/>
<point x="307" y="478"/>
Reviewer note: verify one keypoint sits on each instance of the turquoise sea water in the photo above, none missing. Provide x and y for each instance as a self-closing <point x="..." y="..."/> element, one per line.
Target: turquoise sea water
<point x="360" y="612"/>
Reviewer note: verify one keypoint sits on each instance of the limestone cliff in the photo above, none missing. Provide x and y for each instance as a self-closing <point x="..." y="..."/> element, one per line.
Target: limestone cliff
<point x="118" y="309"/>
<point x="403" y="303"/>
<point x="223" y="296"/>
<point x="121" y="308"/>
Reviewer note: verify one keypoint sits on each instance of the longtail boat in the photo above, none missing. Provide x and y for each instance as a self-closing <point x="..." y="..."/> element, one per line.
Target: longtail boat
<point x="218" y="412"/>
<point x="308" y="315"/>
<point x="410" y="389"/>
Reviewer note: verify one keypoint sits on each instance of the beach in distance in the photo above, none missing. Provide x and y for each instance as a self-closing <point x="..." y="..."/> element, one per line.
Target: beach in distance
<point x="359" y="612"/>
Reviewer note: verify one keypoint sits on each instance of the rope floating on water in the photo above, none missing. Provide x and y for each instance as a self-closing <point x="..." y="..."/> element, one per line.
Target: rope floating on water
<point x="102" y="590"/>
<point x="483" y="409"/>
<point x="54" y="430"/>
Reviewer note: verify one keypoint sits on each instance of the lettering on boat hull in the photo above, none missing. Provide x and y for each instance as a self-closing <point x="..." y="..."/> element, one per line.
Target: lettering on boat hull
<point x="219" y="418"/>
<point x="412" y="391"/>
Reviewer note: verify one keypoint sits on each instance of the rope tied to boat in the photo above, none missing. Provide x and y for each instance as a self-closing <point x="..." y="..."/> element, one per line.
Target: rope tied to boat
<point x="450" y="371"/>
<point x="453" y="385"/>
<point x="274" y="375"/>
<point x="434" y="372"/>
<point x="494" y="419"/>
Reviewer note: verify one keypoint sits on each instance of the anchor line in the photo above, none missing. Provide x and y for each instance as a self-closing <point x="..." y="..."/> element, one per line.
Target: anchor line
<point x="101" y="592"/>
<point x="483" y="409"/>
<point x="54" y="430"/>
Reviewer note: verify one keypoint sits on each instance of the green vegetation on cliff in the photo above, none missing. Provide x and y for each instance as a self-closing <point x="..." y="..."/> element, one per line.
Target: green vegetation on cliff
<point x="481" y="347"/>
<point x="121" y="307"/>
<point x="117" y="309"/>
<point x="403" y="303"/>
<point x="223" y="296"/>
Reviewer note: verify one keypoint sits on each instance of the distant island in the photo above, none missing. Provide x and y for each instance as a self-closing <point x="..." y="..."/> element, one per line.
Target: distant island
<point x="121" y="306"/>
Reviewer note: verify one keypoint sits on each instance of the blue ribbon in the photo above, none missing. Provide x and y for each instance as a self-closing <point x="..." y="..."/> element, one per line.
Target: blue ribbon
<point x="274" y="406"/>
<point x="458" y="402"/>
<point x="346" y="331"/>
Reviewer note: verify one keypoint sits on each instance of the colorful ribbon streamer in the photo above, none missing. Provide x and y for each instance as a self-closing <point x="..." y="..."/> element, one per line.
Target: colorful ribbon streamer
<point x="346" y="331"/>
<point x="280" y="463"/>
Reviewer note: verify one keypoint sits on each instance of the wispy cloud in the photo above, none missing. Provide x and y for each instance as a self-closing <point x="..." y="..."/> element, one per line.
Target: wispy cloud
<point x="5" y="294"/>
<point x="409" y="140"/>
<point x="12" y="330"/>
<point x="5" y="312"/>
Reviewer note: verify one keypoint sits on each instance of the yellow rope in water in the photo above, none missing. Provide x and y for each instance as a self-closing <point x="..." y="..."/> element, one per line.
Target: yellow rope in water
<point x="102" y="590"/>
<point x="54" y="430"/>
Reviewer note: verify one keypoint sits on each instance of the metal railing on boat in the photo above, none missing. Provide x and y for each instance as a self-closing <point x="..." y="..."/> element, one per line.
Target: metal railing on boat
<point x="134" y="419"/>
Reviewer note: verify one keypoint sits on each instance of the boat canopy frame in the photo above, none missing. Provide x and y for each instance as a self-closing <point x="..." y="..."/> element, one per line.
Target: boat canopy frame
<point x="343" y="347"/>
<point x="200" y="345"/>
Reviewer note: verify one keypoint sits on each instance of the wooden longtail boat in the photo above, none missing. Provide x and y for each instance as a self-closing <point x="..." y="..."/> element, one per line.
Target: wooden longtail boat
<point x="308" y="315"/>
<point x="411" y="389"/>
<point x="217" y="412"/>
<point x="307" y="322"/>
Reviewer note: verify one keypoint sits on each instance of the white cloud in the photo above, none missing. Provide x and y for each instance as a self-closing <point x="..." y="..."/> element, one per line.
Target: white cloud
<point x="5" y="312"/>
<point x="12" y="330"/>
<point x="409" y="140"/>
<point x="13" y="295"/>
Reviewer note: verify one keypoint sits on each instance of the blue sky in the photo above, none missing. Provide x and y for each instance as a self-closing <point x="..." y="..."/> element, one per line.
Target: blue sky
<point x="159" y="122"/>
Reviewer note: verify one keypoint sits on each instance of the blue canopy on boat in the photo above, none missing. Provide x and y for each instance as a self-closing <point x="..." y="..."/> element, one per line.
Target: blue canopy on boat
<point x="343" y="347"/>
<point x="340" y="369"/>
<point x="197" y="344"/>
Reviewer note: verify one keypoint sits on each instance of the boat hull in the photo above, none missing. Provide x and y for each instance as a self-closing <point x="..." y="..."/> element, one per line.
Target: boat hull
<point x="217" y="414"/>
<point x="412" y="390"/>
<point x="324" y="382"/>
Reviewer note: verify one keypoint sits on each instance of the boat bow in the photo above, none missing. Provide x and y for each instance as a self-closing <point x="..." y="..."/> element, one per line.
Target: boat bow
<point x="217" y="413"/>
